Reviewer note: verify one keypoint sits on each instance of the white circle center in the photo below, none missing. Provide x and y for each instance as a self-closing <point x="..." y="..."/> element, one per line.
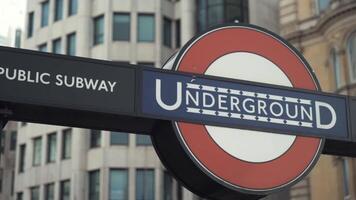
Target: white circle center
<point x="247" y="145"/>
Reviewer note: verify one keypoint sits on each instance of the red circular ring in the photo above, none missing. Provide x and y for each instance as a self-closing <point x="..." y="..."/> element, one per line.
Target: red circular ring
<point x="237" y="173"/>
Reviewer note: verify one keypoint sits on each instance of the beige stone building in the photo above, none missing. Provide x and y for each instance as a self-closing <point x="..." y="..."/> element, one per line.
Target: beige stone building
<point x="325" y="32"/>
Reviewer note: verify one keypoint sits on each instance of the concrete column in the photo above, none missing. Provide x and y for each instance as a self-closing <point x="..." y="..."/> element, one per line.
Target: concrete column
<point x="79" y="180"/>
<point x="84" y="32"/>
<point x="188" y="21"/>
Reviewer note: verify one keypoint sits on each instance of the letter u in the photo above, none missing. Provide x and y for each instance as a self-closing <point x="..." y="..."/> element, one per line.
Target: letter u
<point x="159" y="96"/>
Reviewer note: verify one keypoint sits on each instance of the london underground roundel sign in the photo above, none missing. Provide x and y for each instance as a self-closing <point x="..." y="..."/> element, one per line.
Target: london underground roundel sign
<point x="229" y="163"/>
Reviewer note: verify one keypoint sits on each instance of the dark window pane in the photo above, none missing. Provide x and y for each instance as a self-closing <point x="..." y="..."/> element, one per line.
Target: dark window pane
<point x="121" y="27"/>
<point x="35" y="193"/>
<point x="22" y="155"/>
<point x="71" y="44"/>
<point x="19" y="196"/>
<point x="72" y="7"/>
<point x="30" y="24"/>
<point x="67" y="144"/>
<point x="167" y="32"/>
<point x="146" y="28"/>
<point x="99" y="30"/>
<point x="145" y="184"/>
<point x="143" y="140"/>
<point x="118" y="184"/>
<point x="147" y="64"/>
<point x="49" y="191"/>
<point x="119" y="138"/>
<point x="57" y="46"/>
<point x="167" y="186"/>
<point x="44" y="13"/>
<point x="65" y="190"/>
<point x="94" y="185"/>
<point x="95" y="138"/>
<point x="13" y="139"/>
<point x="178" y="35"/>
<point x="51" y="147"/>
<point x="42" y="47"/>
<point x="58" y="10"/>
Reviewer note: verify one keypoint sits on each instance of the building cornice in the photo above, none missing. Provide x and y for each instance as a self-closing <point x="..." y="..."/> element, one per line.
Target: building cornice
<point x="325" y="21"/>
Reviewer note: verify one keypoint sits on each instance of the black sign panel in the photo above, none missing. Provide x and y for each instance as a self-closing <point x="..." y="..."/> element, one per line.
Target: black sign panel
<point x="66" y="82"/>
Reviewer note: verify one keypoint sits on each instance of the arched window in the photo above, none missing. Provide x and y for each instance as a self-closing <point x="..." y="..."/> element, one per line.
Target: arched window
<point x="351" y="52"/>
<point x="335" y="62"/>
<point x="322" y="5"/>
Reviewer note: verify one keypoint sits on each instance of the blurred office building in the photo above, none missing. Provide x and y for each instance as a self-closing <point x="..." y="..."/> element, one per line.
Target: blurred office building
<point x="325" y="32"/>
<point x="62" y="163"/>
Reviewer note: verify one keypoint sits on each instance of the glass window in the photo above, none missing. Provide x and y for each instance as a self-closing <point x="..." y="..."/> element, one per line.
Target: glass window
<point x="143" y="140"/>
<point x="178" y="40"/>
<point x="213" y="12"/>
<point x="2" y="142"/>
<point x="118" y="184"/>
<point x="35" y="193"/>
<point x="336" y="65"/>
<point x="49" y="191"/>
<point x="56" y="46"/>
<point x="18" y="38"/>
<point x="119" y="138"/>
<point x="65" y="190"/>
<point x="167" y="186"/>
<point x="58" y="10"/>
<point x="30" y="24"/>
<point x="19" y="196"/>
<point x="13" y="139"/>
<point x="71" y="44"/>
<point x="121" y="27"/>
<point x="145" y="184"/>
<point x="323" y="4"/>
<point x="37" y="151"/>
<point x="346" y="175"/>
<point x="44" y="13"/>
<point x="51" y="147"/>
<point x="147" y="64"/>
<point x="167" y="32"/>
<point x="99" y="30"/>
<point x="146" y="28"/>
<point x="179" y="192"/>
<point x="1" y="178"/>
<point x="94" y="185"/>
<point x="43" y="47"/>
<point x="95" y="138"/>
<point x="73" y="7"/>
<point x="67" y="144"/>
<point x="351" y="48"/>
<point x="22" y="155"/>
